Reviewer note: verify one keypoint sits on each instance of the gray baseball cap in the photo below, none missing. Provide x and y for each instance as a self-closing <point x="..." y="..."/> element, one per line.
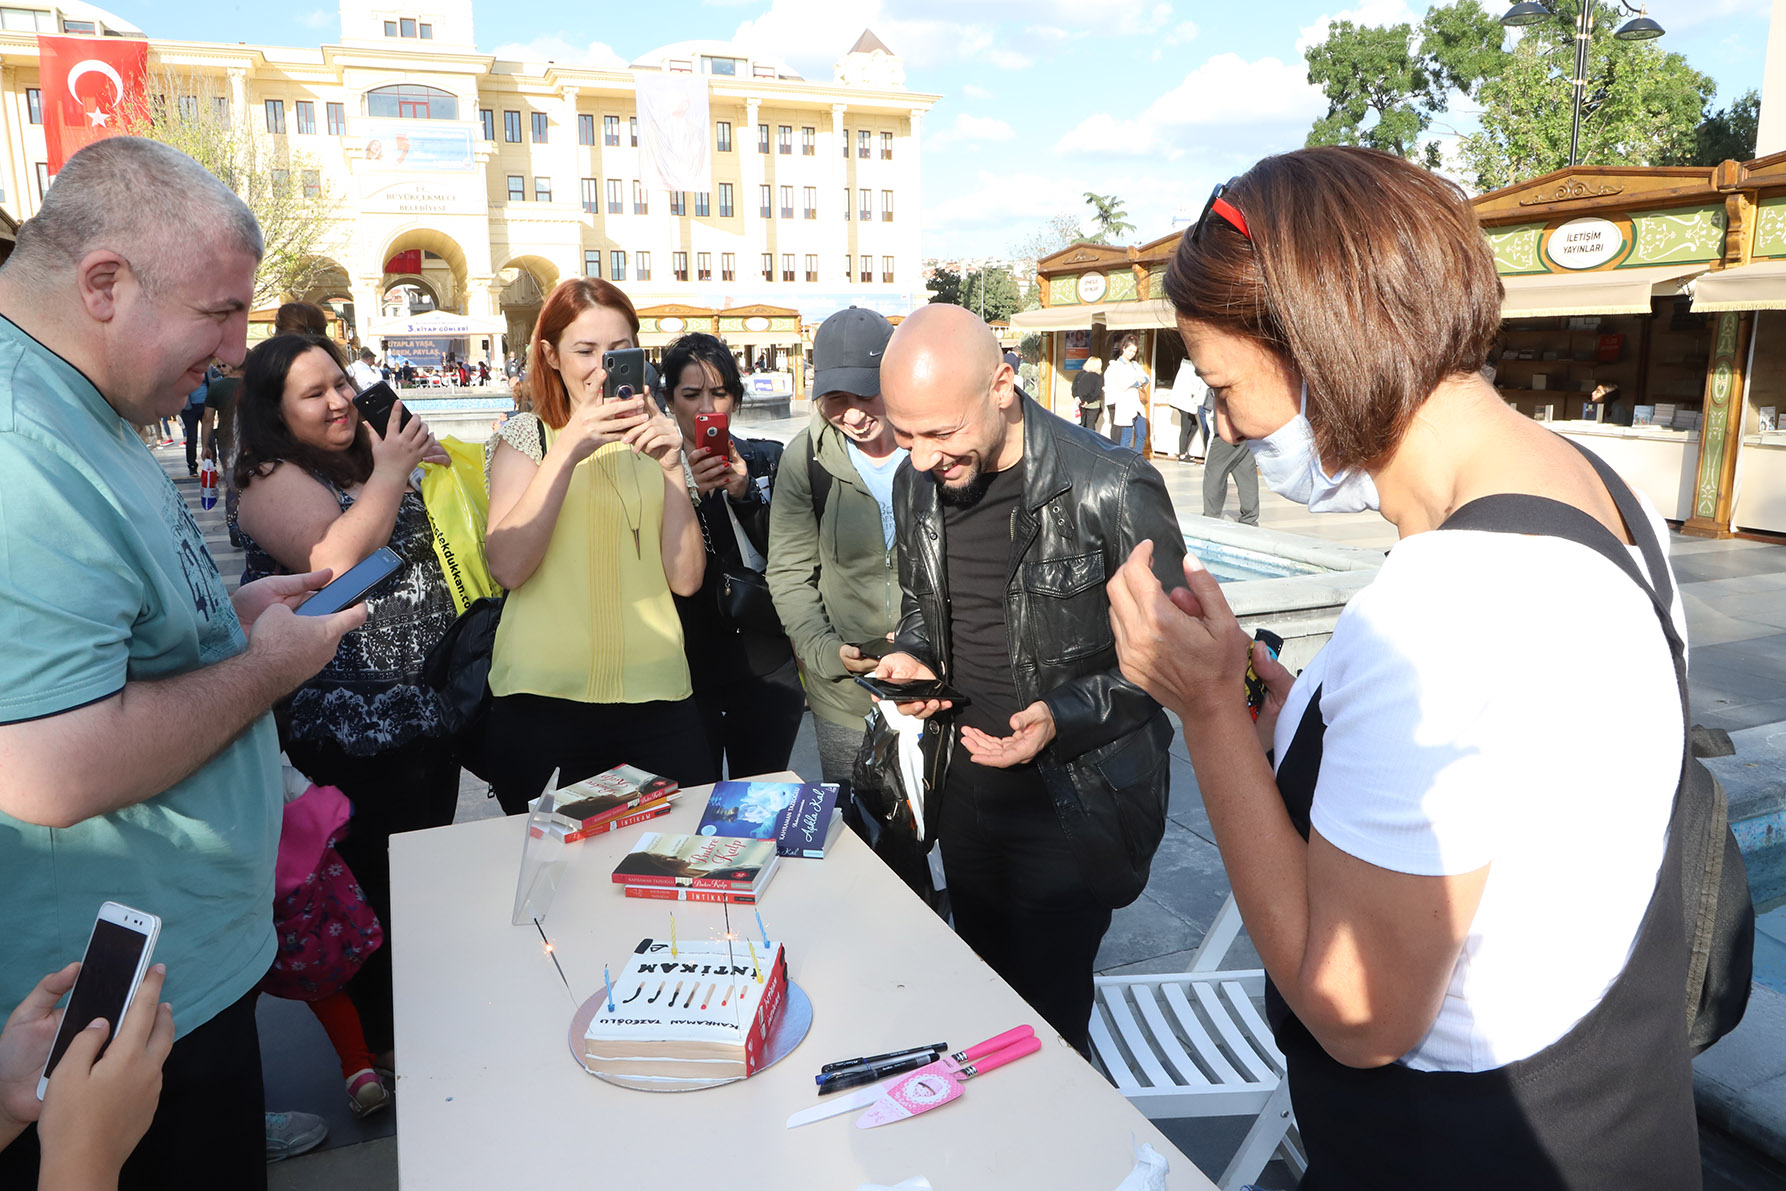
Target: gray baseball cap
<point x="846" y="352"/>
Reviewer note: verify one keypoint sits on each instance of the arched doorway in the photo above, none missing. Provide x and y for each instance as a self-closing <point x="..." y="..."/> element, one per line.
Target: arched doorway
<point x="329" y="286"/>
<point x="431" y="261"/>
<point x="526" y="282"/>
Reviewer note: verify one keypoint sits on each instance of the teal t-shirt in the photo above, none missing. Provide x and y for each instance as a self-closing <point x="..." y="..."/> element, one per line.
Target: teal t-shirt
<point x="104" y="580"/>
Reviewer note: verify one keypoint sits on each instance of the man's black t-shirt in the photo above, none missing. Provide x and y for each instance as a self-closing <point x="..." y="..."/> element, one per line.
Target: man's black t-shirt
<point x="977" y="548"/>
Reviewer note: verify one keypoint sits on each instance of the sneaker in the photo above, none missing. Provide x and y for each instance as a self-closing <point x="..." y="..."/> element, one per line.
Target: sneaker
<point x="366" y="1093"/>
<point x="292" y="1133"/>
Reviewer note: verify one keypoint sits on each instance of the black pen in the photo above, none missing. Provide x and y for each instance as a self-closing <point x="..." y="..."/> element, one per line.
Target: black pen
<point x="840" y="1080"/>
<point x="890" y="1056"/>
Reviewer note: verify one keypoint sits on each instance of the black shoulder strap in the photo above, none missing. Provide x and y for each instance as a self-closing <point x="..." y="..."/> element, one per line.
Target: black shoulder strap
<point x="816" y="477"/>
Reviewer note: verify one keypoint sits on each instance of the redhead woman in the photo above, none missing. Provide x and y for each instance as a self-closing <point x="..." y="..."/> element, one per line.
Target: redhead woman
<point x="592" y="531"/>
<point x="1469" y="911"/>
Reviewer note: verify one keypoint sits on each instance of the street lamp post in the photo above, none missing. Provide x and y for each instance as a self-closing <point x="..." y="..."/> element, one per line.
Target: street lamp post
<point x="1639" y="28"/>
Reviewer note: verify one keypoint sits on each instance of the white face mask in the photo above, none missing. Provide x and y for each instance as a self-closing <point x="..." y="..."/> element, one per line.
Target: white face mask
<point x="1291" y="467"/>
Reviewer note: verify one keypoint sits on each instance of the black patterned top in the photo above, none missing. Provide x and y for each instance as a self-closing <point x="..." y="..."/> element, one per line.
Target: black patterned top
<point x="371" y="697"/>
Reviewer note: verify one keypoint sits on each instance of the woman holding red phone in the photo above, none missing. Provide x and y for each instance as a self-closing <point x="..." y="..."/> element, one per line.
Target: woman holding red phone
<point x="746" y="683"/>
<point x="591" y="530"/>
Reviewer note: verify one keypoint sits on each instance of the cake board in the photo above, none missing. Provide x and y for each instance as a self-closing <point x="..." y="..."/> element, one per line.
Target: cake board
<point x="789" y="1031"/>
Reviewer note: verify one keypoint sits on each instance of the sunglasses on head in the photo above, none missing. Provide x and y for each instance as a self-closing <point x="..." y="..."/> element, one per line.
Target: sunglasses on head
<point x="1222" y="208"/>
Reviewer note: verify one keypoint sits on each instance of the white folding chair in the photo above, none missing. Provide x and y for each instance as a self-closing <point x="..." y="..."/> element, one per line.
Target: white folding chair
<point x="1195" y="1044"/>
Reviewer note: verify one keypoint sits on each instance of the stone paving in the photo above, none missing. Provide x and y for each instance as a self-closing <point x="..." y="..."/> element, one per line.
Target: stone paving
<point x="1735" y="599"/>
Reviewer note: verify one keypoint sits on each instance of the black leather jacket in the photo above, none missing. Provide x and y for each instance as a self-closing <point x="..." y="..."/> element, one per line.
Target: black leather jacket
<point x="1086" y="504"/>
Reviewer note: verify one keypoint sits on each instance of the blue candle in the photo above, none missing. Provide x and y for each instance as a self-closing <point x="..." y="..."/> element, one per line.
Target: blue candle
<point x="610" y="982"/>
<point x="762" y="928"/>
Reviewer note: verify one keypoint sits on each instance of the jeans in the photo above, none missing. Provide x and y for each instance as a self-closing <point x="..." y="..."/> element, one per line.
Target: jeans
<point x="1134" y="435"/>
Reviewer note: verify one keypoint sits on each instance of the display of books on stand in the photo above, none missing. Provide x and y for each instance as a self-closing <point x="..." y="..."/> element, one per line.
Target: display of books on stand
<point x="1769" y="419"/>
<point x="1686" y="419"/>
<point x="622" y="796"/>
<point x="801" y="817"/>
<point x="677" y="867"/>
<point x="1663" y="414"/>
<point x="1643" y="415"/>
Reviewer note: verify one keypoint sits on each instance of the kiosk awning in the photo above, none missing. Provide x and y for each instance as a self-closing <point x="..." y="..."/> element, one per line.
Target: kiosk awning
<point x="1055" y="318"/>
<point x="1759" y="286"/>
<point x="1616" y="291"/>
<point x="1135" y="316"/>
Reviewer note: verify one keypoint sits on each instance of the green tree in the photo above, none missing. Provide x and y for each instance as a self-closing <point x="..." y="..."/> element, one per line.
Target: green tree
<point x="1728" y="135"/>
<point x="285" y="190"/>
<point x="1111" y="216"/>
<point x="1642" y="106"/>
<point x="1060" y="231"/>
<point x="945" y="284"/>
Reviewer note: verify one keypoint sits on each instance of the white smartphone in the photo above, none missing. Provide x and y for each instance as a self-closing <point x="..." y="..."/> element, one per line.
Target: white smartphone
<point x="117" y="958"/>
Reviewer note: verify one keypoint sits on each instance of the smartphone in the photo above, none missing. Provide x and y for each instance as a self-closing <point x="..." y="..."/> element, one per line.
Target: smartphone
<point x="374" y="403"/>
<point x="713" y="432"/>
<point x="116" y="961"/>
<point x="874" y="647"/>
<point x="908" y="692"/>
<point x="625" y="369"/>
<point x="351" y="586"/>
<point x="1255" y="686"/>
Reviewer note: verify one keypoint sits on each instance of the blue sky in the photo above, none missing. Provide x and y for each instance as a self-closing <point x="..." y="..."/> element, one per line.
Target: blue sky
<point x="1153" y="100"/>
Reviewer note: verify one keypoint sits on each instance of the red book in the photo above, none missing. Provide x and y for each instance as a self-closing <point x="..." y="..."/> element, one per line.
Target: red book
<point x="611" y="795"/>
<point x="698" y="862"/>
<point x="662" y="893"/>
<point x="651" y="811"/>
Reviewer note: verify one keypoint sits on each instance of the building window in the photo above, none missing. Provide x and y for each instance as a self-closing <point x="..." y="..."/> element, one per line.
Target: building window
<point x="487" y="118"/>
<point x="728" y="66"/>
<point x="592" y="263"/>
<point x="725" y="200"/>
<point x="390" y="28"/>
<point x="867" y="269"/>
<point x="641" y="199"/>
<point x="592" y="199"/>
<point x="633" y="123"/>
<point x="728" y="266"/>
<point x="517" y="188"/>
<point x="886" y="206"/>
<point x="220" y="110"/>
<point x="810" y="195"/>
<point x="702" y="201"/>
<point x="406" y="26"/>
<point x="79" y="27"/>
<point x="887" y="269"/>
<point x="189" y="107"/>
<point x="679" y="265"/>
<point x="611" y="131"/>
<point x="617" y="265"/>
<point x="809" y="142"/>
<point x="863" y="140"/>
<point x="849" y="267"/>
<point x="642" y="266"/>
<point x="846" y="152"/>
<point x="768" y="262"/>
<point x="539" y="128"/>
<point x="336" y="114"/>
<point x="722" y="136"/>
<point x="762" y="138"/>
<point x="787" y="266"/>
<point x="511" y="128"/>
<point x="679" y="202"/>
<point x="282" y="182"/>
<point x="43" y="178"/>
<point x="704" y="266"/>
<point x="787" y="202"/>
<point x="767" y="198"/>
<point x="34" y="105"/>
<point x="786" y="142"/>
<point x="312" y="180"/>
<point x="866" y="210"/>
<point x="886" y="146"/>
<point x="306" y="114"/>
<point x="412" y="101"/>
<point x="276" y="116"/>
<point x="812" y="266"/>
<point x="542" y="190"/>
<point x="586" y="130"/>
<point x="426" y="30"/>
<point x="846" y="208"/>
<point x="616" y="197"/>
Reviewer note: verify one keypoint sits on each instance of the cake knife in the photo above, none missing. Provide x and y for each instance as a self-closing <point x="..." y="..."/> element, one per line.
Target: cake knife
<point x="862" y="1098"/>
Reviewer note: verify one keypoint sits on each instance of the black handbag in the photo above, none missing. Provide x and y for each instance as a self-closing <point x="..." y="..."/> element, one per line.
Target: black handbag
<point x="742" y="594"/>
<point x="458" y="670"/>
<point x="877" y="810"/>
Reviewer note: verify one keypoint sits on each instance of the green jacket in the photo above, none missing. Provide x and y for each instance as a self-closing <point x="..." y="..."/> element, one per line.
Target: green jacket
<point x="834" y="584"/>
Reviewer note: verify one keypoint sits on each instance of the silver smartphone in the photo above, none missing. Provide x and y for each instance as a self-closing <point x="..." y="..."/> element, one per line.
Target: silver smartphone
<point x="117" y="958"/>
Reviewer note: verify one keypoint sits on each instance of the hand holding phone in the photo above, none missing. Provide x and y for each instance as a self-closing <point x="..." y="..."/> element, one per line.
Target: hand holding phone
<point x="351" y="587"/>
<point x="623" y="373"/>
<point x="117" y="957"/>
<point x="375" y="402"/>
<point x="713" y="434"/>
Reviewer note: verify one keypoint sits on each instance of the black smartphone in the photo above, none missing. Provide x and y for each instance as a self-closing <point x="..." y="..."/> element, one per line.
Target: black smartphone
<point x="874" y="647"/>
<point x="909" y="692"/>
<point x="374" y="403"/>
<point x="350" y="587"/>
<point x="625" y="369"/>
<point x="1255" y="686"/>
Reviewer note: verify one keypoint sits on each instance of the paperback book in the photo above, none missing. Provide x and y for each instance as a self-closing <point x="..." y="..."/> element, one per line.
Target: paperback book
<point x="810" y="822"/>
<point x="666" y="893"/>
<point x="798" y="816"/>
<point x="698" y="862"/>
<point x="612" y="795"/>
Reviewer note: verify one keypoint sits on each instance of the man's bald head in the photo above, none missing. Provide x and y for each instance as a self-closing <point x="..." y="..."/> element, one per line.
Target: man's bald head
<point x="941" y="348"/>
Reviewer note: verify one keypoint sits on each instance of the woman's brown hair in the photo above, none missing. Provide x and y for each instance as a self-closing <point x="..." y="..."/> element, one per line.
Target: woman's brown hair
<point x="1367" y="274"/>
<point x="300" y="318"/>
<point x="265" y="441"/>
<point x="563" y="305"/>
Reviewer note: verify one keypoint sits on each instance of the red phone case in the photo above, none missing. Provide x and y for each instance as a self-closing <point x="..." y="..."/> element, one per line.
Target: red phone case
<point x="713" y="432"/>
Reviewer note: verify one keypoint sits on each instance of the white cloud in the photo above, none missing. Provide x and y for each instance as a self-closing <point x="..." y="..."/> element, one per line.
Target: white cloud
<point x="1689" y="15"/>
<point x="1368" y="12"/>
<point x="554" y="48"/>
<point x="1182" y="32"/>
<point x="1226" y="102"/>
<point x="975" y="91"/>
<point x="972" y="130"/>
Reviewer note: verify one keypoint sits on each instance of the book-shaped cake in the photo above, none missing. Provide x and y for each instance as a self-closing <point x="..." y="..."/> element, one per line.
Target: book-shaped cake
<point x="700" y="1017"/>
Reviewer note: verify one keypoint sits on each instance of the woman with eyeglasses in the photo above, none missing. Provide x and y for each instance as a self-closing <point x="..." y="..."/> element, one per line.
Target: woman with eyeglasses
<point x="1467" y="905"/>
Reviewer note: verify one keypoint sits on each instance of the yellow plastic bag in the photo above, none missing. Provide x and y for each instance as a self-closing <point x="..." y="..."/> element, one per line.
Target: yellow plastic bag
<point x="459" y="509"/>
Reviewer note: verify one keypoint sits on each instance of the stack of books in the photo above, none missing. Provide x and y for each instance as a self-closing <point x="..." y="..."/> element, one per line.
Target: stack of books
<point x="621" y="797"/>
<point x="697" y="868"/>
<point x="801" y="817"/>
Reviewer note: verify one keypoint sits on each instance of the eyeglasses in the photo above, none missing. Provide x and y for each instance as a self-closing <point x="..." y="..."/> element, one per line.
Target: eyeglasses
<point x="1217" y="205"/>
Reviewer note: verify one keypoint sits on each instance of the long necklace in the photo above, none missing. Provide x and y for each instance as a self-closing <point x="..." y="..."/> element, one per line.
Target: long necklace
<point x="633" y="523"/>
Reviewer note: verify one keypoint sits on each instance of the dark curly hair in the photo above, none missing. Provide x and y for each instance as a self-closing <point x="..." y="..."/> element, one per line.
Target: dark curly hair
<point x="264" y="439"/>
<point x="700" y="347"/>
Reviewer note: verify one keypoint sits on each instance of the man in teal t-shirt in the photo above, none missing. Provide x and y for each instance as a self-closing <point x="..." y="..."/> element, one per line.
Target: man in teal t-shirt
<point x="137" y="760"/>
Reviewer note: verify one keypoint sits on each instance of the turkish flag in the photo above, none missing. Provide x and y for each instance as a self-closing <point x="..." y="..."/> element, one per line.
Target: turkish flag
<point x="408" y="261"/>
<point x="93" y="87"/>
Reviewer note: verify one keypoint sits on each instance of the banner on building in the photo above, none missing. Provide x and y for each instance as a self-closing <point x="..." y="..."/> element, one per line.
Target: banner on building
<point x="427" y="146"/>
<point x="93" y="87"/>
<point x="673" y="130"/>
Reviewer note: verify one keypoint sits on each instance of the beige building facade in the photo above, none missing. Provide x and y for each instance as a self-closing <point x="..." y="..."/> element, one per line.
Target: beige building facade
<point x="463" y="183"/>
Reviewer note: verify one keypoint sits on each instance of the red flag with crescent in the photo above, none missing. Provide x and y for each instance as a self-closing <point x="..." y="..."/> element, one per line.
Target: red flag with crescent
<point x="93" y="87"/>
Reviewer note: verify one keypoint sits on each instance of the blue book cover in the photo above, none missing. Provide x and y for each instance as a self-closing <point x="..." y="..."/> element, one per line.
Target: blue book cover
<point x="807" y="824"/>
<point x="746" y="810"/>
